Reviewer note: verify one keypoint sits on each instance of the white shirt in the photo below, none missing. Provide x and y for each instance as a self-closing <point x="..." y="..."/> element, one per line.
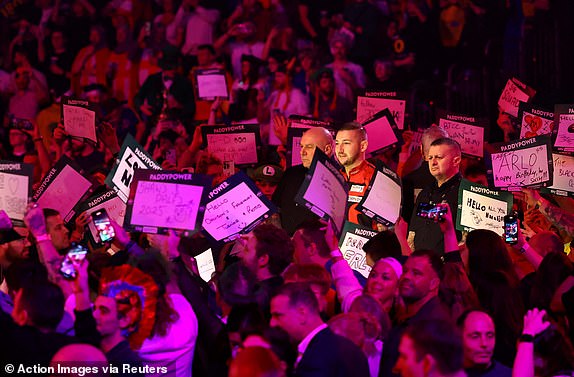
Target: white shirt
<point x="200" y="28"/>
<point x="302" y="347"/>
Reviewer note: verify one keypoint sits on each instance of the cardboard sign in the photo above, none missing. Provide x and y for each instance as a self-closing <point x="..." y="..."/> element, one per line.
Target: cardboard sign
<point x="62" y="188"/>
<point x="15" y="189"/>
<point x="514" y="92"/>
<point x="132" y="156"/>
<point x="563" y="182"/>
<point x="114" y="206"/>
<point x="523" y="163"/>
<point x="205" y="264"/>
<point x="297" y="127"/>
<point x="374" y="101"/>
<point x="381" y="131"/>
<point x="534" y="121"/>
<point x="236" y="206"/>
<point x="382" y="201"/>
<point x="324" y="191"/>
<point x="467" y="131"/>
<point x="166" y="200"/>
<point x="563" y="132"/>
<point x="482" y="208"/>
<point x="238" y="142"/>
<point x="351" y="244"/>
<point x="79" y="119"/>
<point x="211" y="84"/>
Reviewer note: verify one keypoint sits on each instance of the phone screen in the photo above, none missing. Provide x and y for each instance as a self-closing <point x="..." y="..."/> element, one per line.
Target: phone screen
<point x="103" y="225"/>
<point x="77" y="253"/>
<point x="510" y="229"/>
<point x="431" y="211"/>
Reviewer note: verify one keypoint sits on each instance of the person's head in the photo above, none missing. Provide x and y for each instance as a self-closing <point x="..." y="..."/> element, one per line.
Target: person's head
<point x="383" y="69"/>
<point x="39" y="304"/>
<point x="326" y="82"/>
<point x="23" y="272"/>
<point x="350" y="145"/>
<point x="421" y="276"/>
<point x="456" y="291"/>
<point x="79" y="355"/>
<point x="256" y="362"/>
<point x="18" y="138"/>
<point x="97" y="36"/>
<point x="236" y="285"/>
<point x="383" y="280"/>
<point x="22" y="78"/>
<point x="360" y="328"/>
<point x="429" y="348"/>
<point x="281" y="78"/>
<point x="553" y="352"/>
<point x="444" y="159"/>
<point x="211" y="165"/>
<point x="486" y="253"/>
<point x="384" y="244"/>
<point x="429" y="135"/>
<point x="476" y="173"/>
<point x="294" y="308"/>
<point x="369" y="305"/>
<point x="307" y="59"/>
<point x="58" y="39"/>
<point x="58" y="232"/>
<point x="316" y="137"/>
<point x="339" y="47"/>
<point x="266" y="178"/>
<point x="267" y="251"/>
<point x="552" y="271"/>
<point x="546" y="242"/>
<point x="205" y="55"/>
<point x="244" y="320"/>
<point x="13" y="247"/>
<point x="315" y="275"/>
<point x="309" y="243"/>
<point x="478" y="338"/>
<point x="109" y="321"/>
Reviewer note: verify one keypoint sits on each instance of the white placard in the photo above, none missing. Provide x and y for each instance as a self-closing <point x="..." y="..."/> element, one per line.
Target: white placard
<point x="521" y="167"/>
<point x="384" y="198"/>
<point x="238" y="147"/>
<point x="13" y="194"/>
<point x="116" y="210"/>
<point x="369" y="106"/>
<point x="205" y="264"/>
<point x="352" y="250"/>
<point x="380" y="134"/>
<point x="563" y="173"/>
<point x="80" y="122"/>
<point x="511" y="97"/>
<point x="470" y="137"/>
<point x="212" y="86"/>
<point x="565" y="133"/>
<point x="482" y="212"/>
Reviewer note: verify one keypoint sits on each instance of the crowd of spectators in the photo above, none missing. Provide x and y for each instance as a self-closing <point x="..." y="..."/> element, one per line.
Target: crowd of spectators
<point x="283" y="300"/>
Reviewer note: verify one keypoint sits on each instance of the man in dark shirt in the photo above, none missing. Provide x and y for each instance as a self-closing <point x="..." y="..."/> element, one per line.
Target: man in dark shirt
<point x="444" y="163"/>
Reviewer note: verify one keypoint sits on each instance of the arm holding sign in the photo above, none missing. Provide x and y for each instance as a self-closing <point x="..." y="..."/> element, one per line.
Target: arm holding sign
<point x="123" y="241"/>
<point x="188" y="157"/>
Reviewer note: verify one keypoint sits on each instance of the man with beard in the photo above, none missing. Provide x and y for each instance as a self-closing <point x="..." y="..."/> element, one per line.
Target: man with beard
<point x="418" y="288"/>
<point x="84" y="154"/>
<point x="13" y="247"/>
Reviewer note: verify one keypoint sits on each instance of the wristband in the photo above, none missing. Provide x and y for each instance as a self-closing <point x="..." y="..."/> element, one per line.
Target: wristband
<point x="526" y="338"/>
<point x="43" y="237"/>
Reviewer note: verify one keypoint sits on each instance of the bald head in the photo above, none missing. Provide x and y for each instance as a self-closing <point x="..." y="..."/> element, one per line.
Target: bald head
<point x="316" y="137"/>
<point x="257" y="362"/>
<point x="80" y="355"/>
<point x="546" y="242"/>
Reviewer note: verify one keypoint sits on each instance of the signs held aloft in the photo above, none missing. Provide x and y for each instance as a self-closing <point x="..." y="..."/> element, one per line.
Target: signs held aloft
<point x="132" y="156"/>
<point x="468" y="131"/>
<point x="482" y="208"/>
<point x="534" y="121"/>
<point x="382" y="201"/>
<point x="374" y="101"/>
<point x="514" y="92"/>
<point x="563" y="182"/>
<point x="235" y="206"/>
<point x="237" y="142"/>
<point x="15" y="189"/>
<point x="353" y="238"/>
<point x="79" y="119"/>
<point x="324" y="191"/>
<point x="110" y="201"/>
<point x="211" y="84"/>
<point x="166" y="200"/>
<point x="563" y="132"/>
<point x="62" y="188"/>
<point x="522" y="163"/>
<point x="205" y="264"/>
<point x="381" y="132"/>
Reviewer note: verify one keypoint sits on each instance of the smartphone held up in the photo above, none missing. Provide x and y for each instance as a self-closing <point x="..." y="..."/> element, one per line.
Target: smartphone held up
<point x="103" y="225"/>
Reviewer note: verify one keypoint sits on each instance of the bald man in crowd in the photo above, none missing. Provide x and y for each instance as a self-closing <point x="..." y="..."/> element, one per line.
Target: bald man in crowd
<point x="291" y="213"/>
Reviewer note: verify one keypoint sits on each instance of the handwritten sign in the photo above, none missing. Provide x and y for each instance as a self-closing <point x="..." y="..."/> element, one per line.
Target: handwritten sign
<point x="373" y="102"/>
<point x="482" y="208"/>
<point x="324" y="191"/>
<point x="382" y="201"/>
<point x="351" y="245"/>
<point x="563" y="182"/>
<point x="294" y="136"/>
<point x="211" y="84"/>
<point x="15" y="188"/>
<point x="381" y="132"/>
<point x="467" y="131"/>
<point x="236" y="206"/>
<point x="62" y="188"/>
<point x="534" y="121"/>
<point x="563" y="132"/>
<point x="132" y="157"/>
<point x="523" y="163"/>
<point x="514" y="92"/>
<point x="239" y="143"/>
<point x="79" y="118"/>
<point x="166" y="200"/>
<point x="205" y="264"/>
<point x="114" y="206"/>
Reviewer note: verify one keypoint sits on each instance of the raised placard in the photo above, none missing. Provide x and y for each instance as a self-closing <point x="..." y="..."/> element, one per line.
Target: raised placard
<point x="211" y="84"/>
<point x="534" y="121"/>
<point x="205" y="264"/>
<point x="563" y="182"/>
<point x="62" y="188"/>
<point x="468" y="131"/>
<point x="166" y="200"/>
<point x="374" y="101"/>
<point x="523" y="163"/>
<point x="482" y="208"/>
<point x="382" y="201"/>
<point x="15" y="189"/>
<point x="79" y="119"/>
<point x="114" y="206"/>
<point x="353" y="238"/>
<point x="132" y="156"/>
<point x="238" y="142"/>
<point x="563" y="132"/>
<point x="235" y="206"/>
<point x="381" y="132"/>
<point x="513" y="93"/>
<point x="324" y="191"/>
